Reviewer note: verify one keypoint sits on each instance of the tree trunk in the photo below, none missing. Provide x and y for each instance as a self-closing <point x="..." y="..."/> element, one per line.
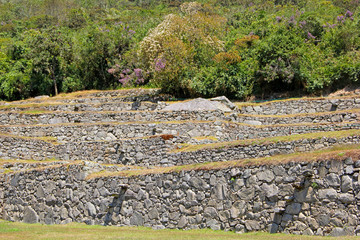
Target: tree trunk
<point x="53" y="78"/>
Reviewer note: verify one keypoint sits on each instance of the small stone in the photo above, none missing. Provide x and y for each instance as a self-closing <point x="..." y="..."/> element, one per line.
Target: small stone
<point x="327" y="194"/>
<point x="333" y="179"/>
<point x="308" y="231"/>
<point x="136" y="219"/>
<point x="40" y="192"/>
<point x="293" y="208"/>
<point x="153" y="214"/>
<point x="210" y="212"/>
<point x="91" y="209"/>
<point x="239" y="228"/>
<point x="346" y="198"/>
<point x="252" y="225"/>
<point x="346" y="184"/>
<point x="182" y="222"/>
<point x="271" y="191"/>
<point x="266" y="176"/>
<point x="158" y="227"/>
<point x="338" y="232"/>
<point x="323" y="219"/>
<point x="30" y="216"/>
<point x="300" y="226"/>
<point x="253" y="122"/>
<point x="213" y="224"/>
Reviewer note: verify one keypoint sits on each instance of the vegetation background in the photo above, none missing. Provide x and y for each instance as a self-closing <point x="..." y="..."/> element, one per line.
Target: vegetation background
<point x="236" y="48"/>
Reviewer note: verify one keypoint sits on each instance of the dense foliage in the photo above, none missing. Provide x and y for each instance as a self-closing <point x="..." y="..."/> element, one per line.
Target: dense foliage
<point x="211" y="47"/>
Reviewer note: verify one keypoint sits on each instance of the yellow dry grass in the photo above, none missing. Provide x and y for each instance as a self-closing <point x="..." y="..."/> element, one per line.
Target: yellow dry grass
<point x="315" y="135"/>
<point x="52" y="140"/>
<point x="340" y="152"/>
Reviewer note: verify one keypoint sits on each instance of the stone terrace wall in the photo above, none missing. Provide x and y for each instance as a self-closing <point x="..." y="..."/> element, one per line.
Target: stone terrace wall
<point x="109" y="106"/>
<point x="154" y="151"/>
<point x="302" y="106"/>
<point x="129" y="151"/>
<point x="223" y="131"/>
<point x="11" y="118"/>
<point x="320" y="198"/>
<point x="335" y="117"/>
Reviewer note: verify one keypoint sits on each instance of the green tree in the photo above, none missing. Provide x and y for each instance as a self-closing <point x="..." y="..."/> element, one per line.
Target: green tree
<point x="44" y="49"/>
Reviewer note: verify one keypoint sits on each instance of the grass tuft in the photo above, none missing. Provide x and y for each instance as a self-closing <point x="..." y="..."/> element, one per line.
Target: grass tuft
<point x="316" y="135"/>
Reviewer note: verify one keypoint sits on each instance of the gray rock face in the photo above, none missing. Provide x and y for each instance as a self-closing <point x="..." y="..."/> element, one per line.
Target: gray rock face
<point x="198" y="104"/>
<point x="253" y="122"/>
<point x="224" y="100"/>
<point x="30" y="216"/>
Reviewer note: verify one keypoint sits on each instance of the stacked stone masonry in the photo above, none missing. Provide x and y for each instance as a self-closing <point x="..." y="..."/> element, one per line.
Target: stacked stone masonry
<point x="302" y="106"/>
<point x="155" y="151"/>
<point x="317" y="198"/>
<point x="222" y="131"/>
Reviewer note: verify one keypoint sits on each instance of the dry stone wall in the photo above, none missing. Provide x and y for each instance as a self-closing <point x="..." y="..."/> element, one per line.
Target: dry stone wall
<point x="302" y="106"/>
<point x="12" y="118"/>
<point x="222" y="131"/>
<point x="317" y="198"/>
<point x="155" y="151"/>
<point x="79" y="107"/>
<point x="335" y="117"/>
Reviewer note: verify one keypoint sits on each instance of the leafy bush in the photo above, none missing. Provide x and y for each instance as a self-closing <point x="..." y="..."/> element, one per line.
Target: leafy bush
<point x="236" y="48"/>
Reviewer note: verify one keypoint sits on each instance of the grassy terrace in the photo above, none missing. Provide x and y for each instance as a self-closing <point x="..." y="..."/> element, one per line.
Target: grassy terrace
<point x="40" y="165"/>
<point x="125" y="92"/>
<point x="58" y="164"/>
<point x="288" y="138"/>
<point x="17" y="231"/>
<point x="42" y="105"/>
<point x="34" y="163"/>
<point x="339" y="152"/>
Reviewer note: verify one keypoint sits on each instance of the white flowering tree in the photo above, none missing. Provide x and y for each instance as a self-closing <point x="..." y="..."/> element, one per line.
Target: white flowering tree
<point x="174" y="49"/>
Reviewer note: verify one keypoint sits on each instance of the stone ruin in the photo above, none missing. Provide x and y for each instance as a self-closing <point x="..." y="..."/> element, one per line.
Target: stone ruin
<point x="132" y="158"/>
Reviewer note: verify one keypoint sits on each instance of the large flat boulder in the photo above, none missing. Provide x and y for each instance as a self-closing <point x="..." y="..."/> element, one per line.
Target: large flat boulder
<point x="199" y="104"/>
